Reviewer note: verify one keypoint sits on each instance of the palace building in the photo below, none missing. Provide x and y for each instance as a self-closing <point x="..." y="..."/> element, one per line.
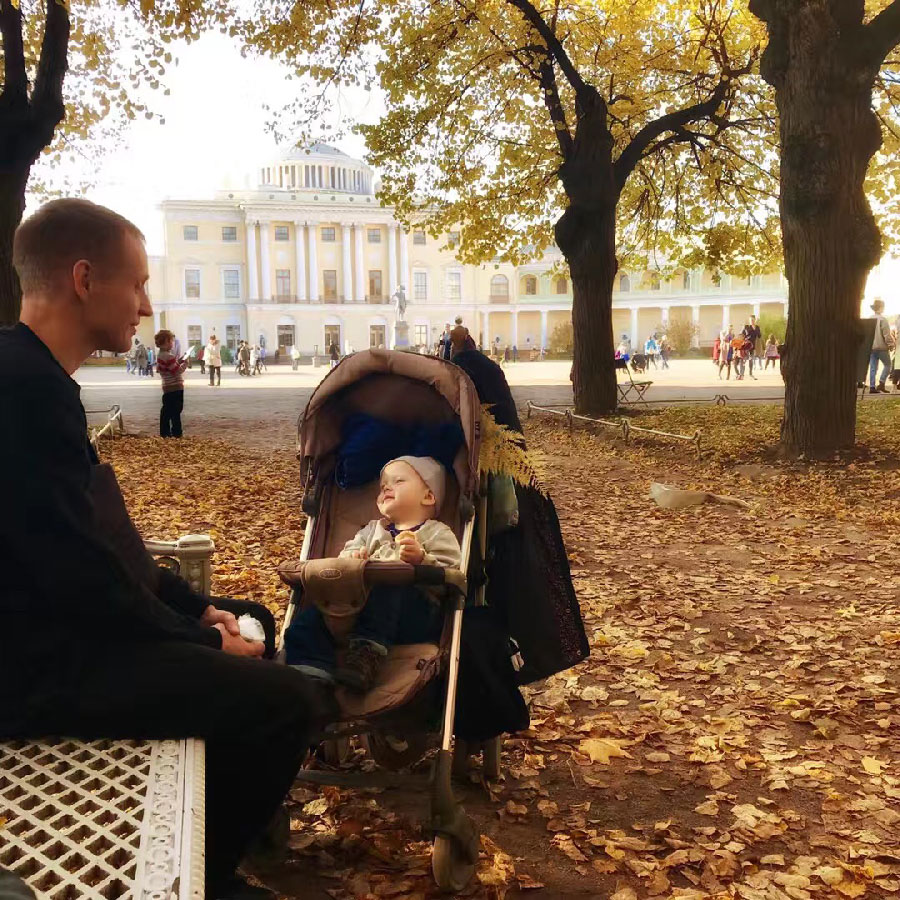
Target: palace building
<point x="309" y="257"/>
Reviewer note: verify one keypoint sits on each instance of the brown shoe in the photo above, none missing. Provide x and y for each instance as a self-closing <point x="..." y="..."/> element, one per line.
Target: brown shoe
<point x="361" y="665"/>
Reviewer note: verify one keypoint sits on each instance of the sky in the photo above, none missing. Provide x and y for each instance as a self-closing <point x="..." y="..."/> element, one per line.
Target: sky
<point x="216" y="134"/>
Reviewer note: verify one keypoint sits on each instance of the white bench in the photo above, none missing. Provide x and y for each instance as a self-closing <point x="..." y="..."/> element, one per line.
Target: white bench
<point x="103" y="820"/>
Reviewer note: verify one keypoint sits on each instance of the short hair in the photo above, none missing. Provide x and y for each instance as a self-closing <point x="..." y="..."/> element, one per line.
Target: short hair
<point x="161" y="338"/>
<point x="60" y="233"/>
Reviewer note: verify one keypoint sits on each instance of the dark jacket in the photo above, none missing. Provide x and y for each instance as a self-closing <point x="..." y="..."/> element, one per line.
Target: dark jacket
<point x="65" y="590"/>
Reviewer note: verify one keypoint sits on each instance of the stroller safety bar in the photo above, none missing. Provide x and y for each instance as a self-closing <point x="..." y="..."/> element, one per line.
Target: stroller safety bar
<point x="386" y="572"/>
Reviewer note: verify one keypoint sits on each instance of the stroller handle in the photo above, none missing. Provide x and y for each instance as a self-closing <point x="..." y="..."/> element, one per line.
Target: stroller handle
<point x="386" y="572"/>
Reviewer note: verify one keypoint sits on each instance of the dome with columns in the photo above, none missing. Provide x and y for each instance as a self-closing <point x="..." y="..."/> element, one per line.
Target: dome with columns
<point x="318" y="167"/>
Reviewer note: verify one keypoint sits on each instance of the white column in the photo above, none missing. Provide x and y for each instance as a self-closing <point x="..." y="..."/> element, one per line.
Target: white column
<point x="635" y="340"/>
<point x="252" y="277"/>
<point x="756" y="307"/>
<point x="726" y="316"/>
<point x="404" y="260"/>
<point x="264" y="261"/>
<point x="486" y="339"/>
<point x="313" y="262"/>
<point x="392" y="284"/>
<point x="695" y="318"/>
<point x="301" y="261"/>
<point x="543" y="330"/>
<point x="359" y="295"/>
<point x="664" y="315"/>
<point x="346" y="268"/>
<point x="515" y="329"/>
<point x="157" y="320"/>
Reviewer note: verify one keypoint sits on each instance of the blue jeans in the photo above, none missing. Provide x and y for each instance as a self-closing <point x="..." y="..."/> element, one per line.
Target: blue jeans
<point x="875" y="357"/>
<point x="392" y="615"/>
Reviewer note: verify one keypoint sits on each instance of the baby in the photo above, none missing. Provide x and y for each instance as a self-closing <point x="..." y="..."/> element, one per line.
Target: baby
<point x="412" y="489"/>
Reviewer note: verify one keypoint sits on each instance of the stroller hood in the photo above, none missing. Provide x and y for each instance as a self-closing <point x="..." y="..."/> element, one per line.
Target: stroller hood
<point x="394" y="386"/>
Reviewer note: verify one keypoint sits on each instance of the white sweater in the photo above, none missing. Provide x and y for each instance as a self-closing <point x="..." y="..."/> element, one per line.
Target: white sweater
<point x="437" y="540"/>
<point x="212" y="355"/>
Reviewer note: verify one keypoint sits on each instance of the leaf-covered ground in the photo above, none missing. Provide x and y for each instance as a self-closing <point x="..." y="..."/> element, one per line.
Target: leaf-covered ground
<point x="733" y="733"/>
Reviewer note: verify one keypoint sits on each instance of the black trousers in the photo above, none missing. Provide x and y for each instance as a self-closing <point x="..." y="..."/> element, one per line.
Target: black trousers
<point x="257" y="718"/>
<point x="215" y="371"/>
<point x="170" y="414"/>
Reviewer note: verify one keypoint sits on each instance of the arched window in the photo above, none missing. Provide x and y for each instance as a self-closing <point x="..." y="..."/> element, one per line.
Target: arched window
<point x="499" y="287"/>
<point x="562" y="286"/>
<point x="686" y="281"/>
<point x="624" y="283"/>
<point x="654" y="281"/>
<point x="530" y="285"/>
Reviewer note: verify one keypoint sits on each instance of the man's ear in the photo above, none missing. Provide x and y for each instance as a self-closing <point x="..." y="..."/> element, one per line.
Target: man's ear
<point x="81" y="279"/>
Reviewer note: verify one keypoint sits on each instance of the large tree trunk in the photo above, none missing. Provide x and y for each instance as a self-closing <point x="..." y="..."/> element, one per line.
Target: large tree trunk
<point x="586" y="234"/>
<point x="828" y="136"/>
<point x="590" y="250"/>
<point x="12" y="205"/>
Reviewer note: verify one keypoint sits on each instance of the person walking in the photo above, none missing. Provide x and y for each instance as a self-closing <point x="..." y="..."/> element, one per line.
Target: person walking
<point x="882" y="346"/>
<point x="444" y="345"/>
<point x="726" y="353"/>
<point x="665" y="350"/>
<point x="515" y="353"/>
<point x="140" y="357"/>
<point x="752" y="332"/>
<point x="261" y="359"/>
<point x="213" y="355"/>
<point x="650" y="350"/>
<point x="201" y="358"/>
<point x="771" y="351"/>
<point x="717" y="349"/>
<point x="334" y="354"/>
<point x="295" y="357"/>
<point x="244" y="358"/>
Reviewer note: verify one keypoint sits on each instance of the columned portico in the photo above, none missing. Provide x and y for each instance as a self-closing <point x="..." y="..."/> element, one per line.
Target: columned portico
<point x="392" y="260"/>
<point x="264" y="261"/>
<point x="635" y="340"/>
<point x="313" y="263"/>
<point x="300" y="249"/>
<point x="359" y="294"/>
<point x="346" y="266"/>
<point x="252" y="279"/>
<point x="695" y="321"/>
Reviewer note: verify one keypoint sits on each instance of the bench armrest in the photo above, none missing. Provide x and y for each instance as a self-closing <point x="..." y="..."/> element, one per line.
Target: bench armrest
<point x="190" y="557"/>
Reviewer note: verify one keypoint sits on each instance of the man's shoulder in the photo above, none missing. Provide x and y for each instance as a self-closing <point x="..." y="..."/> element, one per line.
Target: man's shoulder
<point x="22" y="359"/>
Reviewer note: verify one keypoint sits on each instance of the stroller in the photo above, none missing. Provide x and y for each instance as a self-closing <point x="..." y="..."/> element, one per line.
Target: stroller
<point x="398" y="715"/>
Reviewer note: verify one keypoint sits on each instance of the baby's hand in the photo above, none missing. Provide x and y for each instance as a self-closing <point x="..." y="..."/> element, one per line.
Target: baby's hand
<point x="362" y="553"/>
<point x="410" y="549"/>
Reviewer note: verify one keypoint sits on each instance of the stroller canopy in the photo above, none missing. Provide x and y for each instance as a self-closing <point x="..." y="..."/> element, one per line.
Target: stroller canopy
<point x="399" y="387"/>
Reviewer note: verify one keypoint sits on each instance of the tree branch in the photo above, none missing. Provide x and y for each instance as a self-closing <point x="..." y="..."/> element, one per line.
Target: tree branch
<point x="555" y="107"/>
<point x="881" y="35"/>
<point x="47" y="98"/>
<point x="15" y="77"/>
<point x="673" y="121"/>
<point x="554" y="45"/>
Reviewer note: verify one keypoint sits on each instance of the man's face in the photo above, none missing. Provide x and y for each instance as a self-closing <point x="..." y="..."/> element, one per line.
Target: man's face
<point x="115" y="296"/>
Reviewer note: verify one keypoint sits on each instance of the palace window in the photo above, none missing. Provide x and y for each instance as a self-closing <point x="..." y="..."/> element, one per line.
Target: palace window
<point x="419" y="237"/>
<point x="329" y="282"/>
<point x="229" y="233"/>
<point x="376" y="336"/>
<point x="195" y="336"/>
<point x="686" y="281"/>
<point x="192" y="283"/>
<point x="375" y="284"/>
<point x="654" y="281"/>
<point x="531" y="285"/>
<point x="374" y="235"/>
<point x="231" y="284"/>
<point x="499" y="287"/>
<point x="420" y="286"/>
<point x="454" y="285"/>
<point x="624" y="284"/>
<point x="283" y="282"/>
<point x="189" y="232"/>
<point x="285" y="337"/>
<point x="562" y="285"/>
<point x="332" y="336"/>
<point x="420" y="335"/>
<point x="232" y="336"/>
<point x="281" y="233"/>
<point x="328" y="234"/>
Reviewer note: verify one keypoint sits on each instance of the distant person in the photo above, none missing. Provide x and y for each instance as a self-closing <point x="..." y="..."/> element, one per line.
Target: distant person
<point x="651" y="348"/>
<point x="140" y="357"/>
<point x="623" y="351"/>
<point x="717" y="349"/>
<point x="261" y="358"/>
<point x="334" y="354"/>
<point x="445" y="345"/>
<point x="295" y="357"/>
<point x="752" y="332"/>
<point x="771" y="351"/>
<point x="171" y="371"/>
<point x="201" y="354"/>
<point x="882" y="347"/>
<point x="515" y="353"/>
<point x="665" y="350"/>
<point x="507" y="354"/>
<point x="243" y="358"/>
<point x="213" y="355"/>
<point x="726" y="352"/>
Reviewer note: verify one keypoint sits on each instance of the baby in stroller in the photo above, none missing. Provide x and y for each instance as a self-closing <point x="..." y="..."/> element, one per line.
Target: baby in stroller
<point x="411" y="491"/>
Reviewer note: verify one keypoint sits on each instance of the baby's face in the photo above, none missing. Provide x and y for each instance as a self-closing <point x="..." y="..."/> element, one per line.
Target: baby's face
<point x="404" y="498"/>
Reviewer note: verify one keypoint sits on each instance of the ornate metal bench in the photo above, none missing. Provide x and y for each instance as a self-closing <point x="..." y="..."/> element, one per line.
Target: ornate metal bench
<point x="103" y="820"/>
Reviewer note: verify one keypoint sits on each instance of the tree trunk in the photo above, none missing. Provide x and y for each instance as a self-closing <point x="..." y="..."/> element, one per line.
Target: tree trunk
<point x="591" y="254"/>
<point x="12" y="205"/>
<point x="586" y="234"/>
<point x="828" y="134"/>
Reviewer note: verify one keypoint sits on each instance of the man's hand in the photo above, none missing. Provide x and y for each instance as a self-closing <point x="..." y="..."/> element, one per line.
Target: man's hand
<point x="212" y="616"/>
<point x="237" y="646"/>
<point x="410" y="549"/>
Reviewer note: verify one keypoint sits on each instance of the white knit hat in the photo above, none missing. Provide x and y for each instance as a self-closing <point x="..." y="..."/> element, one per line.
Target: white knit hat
<point x="430" y="471"/>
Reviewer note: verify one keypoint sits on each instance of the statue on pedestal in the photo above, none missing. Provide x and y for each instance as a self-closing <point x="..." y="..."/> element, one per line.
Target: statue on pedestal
<point x="399" y="300"/>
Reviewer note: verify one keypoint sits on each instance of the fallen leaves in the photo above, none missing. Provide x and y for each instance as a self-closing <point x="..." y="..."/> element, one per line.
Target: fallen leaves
<point x="601" y="750"/>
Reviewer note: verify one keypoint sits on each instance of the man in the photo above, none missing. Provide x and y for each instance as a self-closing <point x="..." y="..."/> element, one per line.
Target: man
<point x="882" y="345"/>
<point x="95" y="640"/>
<point x="445" y="344"/>
<point x="753" y="333"/>
<point x="650" y="350"/>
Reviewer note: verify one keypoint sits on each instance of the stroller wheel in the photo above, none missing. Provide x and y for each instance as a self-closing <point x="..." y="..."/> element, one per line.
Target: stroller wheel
<point x="395" y="752"/>
<point x="490" y="758"/>
<point x="451" y="869"/>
